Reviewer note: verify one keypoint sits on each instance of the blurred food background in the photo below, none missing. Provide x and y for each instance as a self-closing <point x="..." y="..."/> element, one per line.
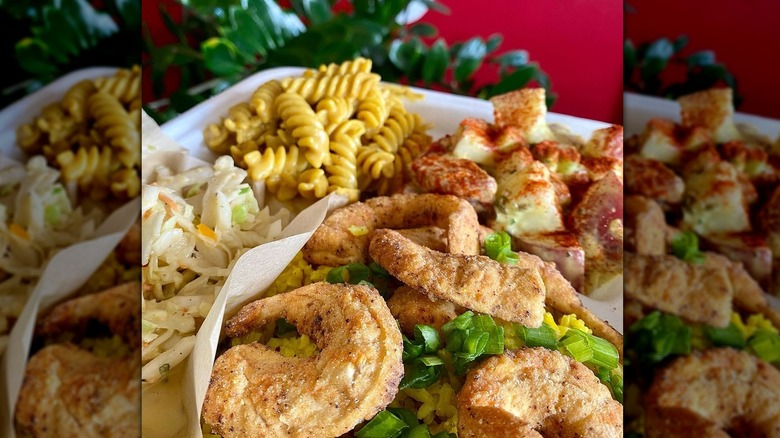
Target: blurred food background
<point x="673" y="48"/>
<point x="194" y="49"/>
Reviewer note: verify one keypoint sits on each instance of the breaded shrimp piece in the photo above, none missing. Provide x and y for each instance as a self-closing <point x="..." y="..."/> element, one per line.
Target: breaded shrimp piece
<point x="711" y="392"/>
<point x="645" y="226"/>
<point x="70" y="392"/>
<point x="333" y="244"/>
<point x="411" y="308"/>
<point x="697" y="293"/>
<point x="478" y="283"/>
<point x="561" y="296"/>
<point x="255" y="391"/>
<point x="430" y="237"/>
<point x="117" y="308"/>
<point x="651" y="178"/>
<point x="535" y="392"/>
<point x="748" y="295"/>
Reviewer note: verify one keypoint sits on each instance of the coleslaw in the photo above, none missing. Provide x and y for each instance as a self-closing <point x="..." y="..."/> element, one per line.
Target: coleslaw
<point x="195" y="226"/>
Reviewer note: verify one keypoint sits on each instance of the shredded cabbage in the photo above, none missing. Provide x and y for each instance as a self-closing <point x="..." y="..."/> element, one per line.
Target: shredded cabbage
<point x="196" y="224"/>
<point x="37" y="219"/>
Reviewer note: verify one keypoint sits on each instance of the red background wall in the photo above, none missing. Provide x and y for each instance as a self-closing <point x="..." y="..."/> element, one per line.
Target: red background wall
<point x="577" y="42"/>
<point x="745" y="36"/>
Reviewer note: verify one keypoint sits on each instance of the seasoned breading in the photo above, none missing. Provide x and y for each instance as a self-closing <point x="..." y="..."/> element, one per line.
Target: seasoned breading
<point x="411" y="308"/>
<point x="430" y="237"/>
<point x="651" y="178"/>
<point x="70" y="392"/>
<point x="461" y="177"/>
<point x="698" y="293"/>
<point x="255" y="391"/>
<point x="535" y="392"/>
<point x="709" y="393"/>
<point x="512" y="293"/>
<point x="748" y="295"/>
<point x="333" y="244"/>
<point x="645" y="226"/>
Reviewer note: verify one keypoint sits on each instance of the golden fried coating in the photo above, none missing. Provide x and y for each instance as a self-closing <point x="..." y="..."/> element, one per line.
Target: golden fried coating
<point x="697" y="293"/>
<point x="535" y="392"/>
<point x="508" y="292"/>
<point x="411" y="308"/>
<point x="255" y="391"/>
<point x="709" y="393"/>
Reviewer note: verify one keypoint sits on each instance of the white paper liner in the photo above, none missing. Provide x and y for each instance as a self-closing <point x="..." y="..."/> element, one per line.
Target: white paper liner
<point x="70" y="267"/>
<point x="63" y="275"/>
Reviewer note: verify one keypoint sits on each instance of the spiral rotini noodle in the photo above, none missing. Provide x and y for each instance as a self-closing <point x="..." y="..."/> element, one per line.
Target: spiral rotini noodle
<point x="373" y="111"/>
<point x="125" y="85"/>
<point x="239" y="151"/>
<point x="334" y="110"/>
<point x="353" y="86"/>
<point x="342" y="173"/>
<point x="360" y="65"/>
<point x="313" y="184"/>
<point x="125" y="184"/>
<point x="116" y="125"/>
<point x="217" y="139"/>
<point x="397" y="127"/>
<point x="374" y="162"/>
<point x="298" y="117"/>
<point x="30" y="138"/>
<point x="90" y="167"/>
<point x="262" y="100"/>
<point x="75" y="100"/>
<point x="272" y="162"/>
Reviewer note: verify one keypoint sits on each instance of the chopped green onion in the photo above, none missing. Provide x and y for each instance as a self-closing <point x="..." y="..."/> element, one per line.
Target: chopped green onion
<point x="383" y="425"/>
<point x="729" y="336"/>
<point x="475" y="343"/>
<point x="243" y="190"/>
<point x="429" y="337"/>
<point x="658" y="336"/>
<point x="353" y="273"/>
<point x="378" y="271"/>
<point x="498" y="246"/>
<point x="164" y="369"/>
<point x="617" y="386"/>
<point x="430" y="361"/>
<point x="589" y="349"/>
<point x="411" y="350"/>
<point x="239" y="213"/>
<point x="407" y="416"/>
<point x="462" y="322"/>
<point x="420" y="431"/>
<point x="766" y="345"/>
<point x="283" y="328"/>
<point x="686" y="247"/>
<point x="495" y="342"/>
<point x="419" y="376"/>
<point x="542" y="336"/>
<point x="455" y="340"/>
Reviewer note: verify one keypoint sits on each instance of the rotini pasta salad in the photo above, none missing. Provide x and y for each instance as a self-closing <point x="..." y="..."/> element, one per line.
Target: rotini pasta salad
<point x="195" y="226"/>
<point x="333" y="129"/>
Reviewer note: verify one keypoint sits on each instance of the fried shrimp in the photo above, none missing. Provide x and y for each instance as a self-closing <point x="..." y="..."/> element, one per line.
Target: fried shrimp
<point x="561" y="296"/>
<point x="714" y="393"/>
<point x="411" y="308"/>
<point x="71" y="392"/>
<point x="478" y="283"/>
<point x="333" y="244"/>
<point x="116" y="308"/>
<point x="255" y="391"/>
<point x="535" y="392"/>
<point x="699" y="293"/>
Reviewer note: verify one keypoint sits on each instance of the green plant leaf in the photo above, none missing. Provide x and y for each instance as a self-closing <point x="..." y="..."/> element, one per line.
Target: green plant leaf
<point x="436" y="6"/>
<point x="366" y="33"/>
<point x="705" y="57"/>
<point x="212" y="8"/>
<point x="515" y="80"/>
<point x="493" y="42"/>
<point x="423" y="30"/>
<point x="469" y="58"/>
<point x="33" y="56"/>
<point x="660" y="49"/>
<point x="317" y="11"/>
<point x="406" y="55"/>
<point x="221" y="57"/>
<point x="435" y="63"/>
<point x="629" y="60"/>
<point x="128" y="10"/>
<point x="680" y="43"/>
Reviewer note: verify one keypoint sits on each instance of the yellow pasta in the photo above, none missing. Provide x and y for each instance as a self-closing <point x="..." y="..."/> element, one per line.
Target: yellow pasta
<point x="97" y="122"/>
<point x="314" y="89"/>
<point x="333" y="129"/>
<point x="262" y="100"/>
<point x="298" y="117"/>
<point x="75" y="100"/>
<point x="125" y="85"/>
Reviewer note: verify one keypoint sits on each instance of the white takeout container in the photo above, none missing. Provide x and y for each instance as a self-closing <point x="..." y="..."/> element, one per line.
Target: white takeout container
<point x="70" y="267"/>
<point x="639" y="109"/>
